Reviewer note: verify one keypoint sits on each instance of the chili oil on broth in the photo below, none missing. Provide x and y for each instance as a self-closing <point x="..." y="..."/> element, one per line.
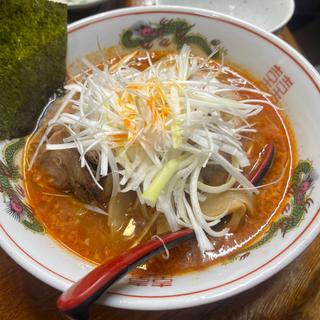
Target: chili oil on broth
<point x="88" y="235"/>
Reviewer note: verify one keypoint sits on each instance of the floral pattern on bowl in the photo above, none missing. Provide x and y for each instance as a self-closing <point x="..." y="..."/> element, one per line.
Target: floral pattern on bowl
<point x="11" y="186"/>
<point x="284" y="72"/>
<point x="294" y="210"/>
<point x="167" y="32"/>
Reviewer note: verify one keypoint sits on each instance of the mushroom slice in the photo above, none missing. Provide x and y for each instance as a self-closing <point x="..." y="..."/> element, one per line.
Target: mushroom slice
<point x="235" y="203"/>
<point x="119" y="206"/>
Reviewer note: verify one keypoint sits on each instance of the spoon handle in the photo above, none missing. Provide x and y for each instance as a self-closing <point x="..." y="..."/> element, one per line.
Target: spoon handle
<point x="76" y="300"/>
<point x="263" y="164"/>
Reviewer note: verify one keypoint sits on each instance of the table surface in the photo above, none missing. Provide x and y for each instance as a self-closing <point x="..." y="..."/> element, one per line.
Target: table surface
<point x="293" y="293"/>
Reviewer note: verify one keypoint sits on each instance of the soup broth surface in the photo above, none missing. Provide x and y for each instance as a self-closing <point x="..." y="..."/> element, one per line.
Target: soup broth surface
<point x="87" y="233"/>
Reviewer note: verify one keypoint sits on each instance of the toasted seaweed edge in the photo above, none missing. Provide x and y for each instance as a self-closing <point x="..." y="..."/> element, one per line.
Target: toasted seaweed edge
<point x="33" y="38"/>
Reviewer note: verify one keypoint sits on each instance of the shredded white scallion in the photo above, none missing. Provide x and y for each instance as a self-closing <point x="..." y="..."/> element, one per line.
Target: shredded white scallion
<point x="136" y="122"/>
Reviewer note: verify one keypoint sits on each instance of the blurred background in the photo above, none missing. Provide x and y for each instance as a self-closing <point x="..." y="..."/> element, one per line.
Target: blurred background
<point x="305" y="27"/>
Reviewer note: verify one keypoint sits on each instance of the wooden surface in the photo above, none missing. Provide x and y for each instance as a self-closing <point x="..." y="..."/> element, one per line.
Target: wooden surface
<point x="291" y="294"/>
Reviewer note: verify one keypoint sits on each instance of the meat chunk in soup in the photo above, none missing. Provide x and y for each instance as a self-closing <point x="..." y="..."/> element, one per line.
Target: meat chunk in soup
<point x="64" y="170"/>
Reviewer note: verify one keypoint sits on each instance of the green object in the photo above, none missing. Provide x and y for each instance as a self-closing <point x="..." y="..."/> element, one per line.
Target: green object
<point x="176" y="31"/>
<point x="160" y="181"/>
<point x="11" y="187"/>
<point x="295" y="210"/>
<point x="33" y="36"/>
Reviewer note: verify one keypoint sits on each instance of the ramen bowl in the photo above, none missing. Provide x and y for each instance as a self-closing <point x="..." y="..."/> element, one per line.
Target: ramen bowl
<point x="286" y="74"/>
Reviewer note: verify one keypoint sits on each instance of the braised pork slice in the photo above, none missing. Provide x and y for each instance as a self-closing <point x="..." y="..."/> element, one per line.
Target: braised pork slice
<point x="64" y="170"/>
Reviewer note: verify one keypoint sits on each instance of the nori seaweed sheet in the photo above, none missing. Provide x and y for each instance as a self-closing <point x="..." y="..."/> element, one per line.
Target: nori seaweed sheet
<point x="33" y="37"/>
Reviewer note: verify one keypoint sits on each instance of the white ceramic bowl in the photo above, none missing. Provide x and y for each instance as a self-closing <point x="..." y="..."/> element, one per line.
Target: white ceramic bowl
<point x="270" y="60"/>
<point x="269" y="15"/>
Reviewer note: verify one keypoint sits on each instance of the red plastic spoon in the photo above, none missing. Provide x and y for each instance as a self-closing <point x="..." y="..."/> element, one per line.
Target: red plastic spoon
<point x="76" y="300"/>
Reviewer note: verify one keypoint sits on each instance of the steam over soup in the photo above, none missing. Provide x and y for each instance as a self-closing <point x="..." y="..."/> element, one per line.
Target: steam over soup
<point x="151" y="143"/>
